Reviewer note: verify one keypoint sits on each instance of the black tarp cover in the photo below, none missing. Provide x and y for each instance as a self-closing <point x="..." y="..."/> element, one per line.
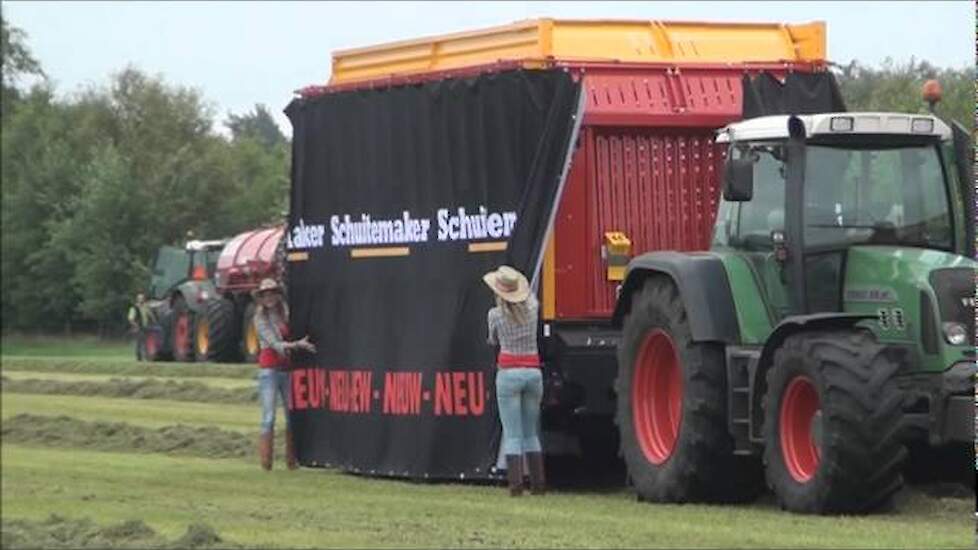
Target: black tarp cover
<point x="799" y="94"/>
<point x="403" y="383"/>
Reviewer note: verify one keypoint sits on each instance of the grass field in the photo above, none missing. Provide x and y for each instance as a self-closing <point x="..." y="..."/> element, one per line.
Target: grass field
<point x="189" y="478"/>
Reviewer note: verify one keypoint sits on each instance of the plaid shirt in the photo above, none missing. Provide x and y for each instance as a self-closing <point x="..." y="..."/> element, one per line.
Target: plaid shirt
<point x="267" y="326"/>
<point x="514" y="338"/>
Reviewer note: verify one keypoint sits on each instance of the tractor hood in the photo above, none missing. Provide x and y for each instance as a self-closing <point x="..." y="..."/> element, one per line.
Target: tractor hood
<point x="915" y="294"/>
<point x="892" y="265"/>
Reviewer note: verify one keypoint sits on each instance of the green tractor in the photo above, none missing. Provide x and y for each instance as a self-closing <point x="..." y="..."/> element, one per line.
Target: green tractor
<point x="830" y="325"/>
<point x="181" y="288"/>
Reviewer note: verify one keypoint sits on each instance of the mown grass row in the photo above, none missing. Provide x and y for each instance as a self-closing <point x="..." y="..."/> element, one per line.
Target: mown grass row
<point x="126" y="367"/>
<point x="60" y="532"/>
<point x="143" y="388"/>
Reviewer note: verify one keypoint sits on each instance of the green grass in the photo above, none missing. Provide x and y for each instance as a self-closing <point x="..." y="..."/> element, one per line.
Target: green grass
<point x="126" y="367"/>
<point x="151" y="413"/>
<point x="53" y="346"/>
<point x="213" y="382"/>
<point x="328" y="509"/>
<point x="325" y="508"/>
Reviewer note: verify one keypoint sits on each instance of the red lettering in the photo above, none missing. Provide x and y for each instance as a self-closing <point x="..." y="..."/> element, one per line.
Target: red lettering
<point x="365" y="388"/>
<point x="338" y="396"/>
<point x="458" y="388"/>
<point x="299" y="389"/>
<point x="415" y="390"/>
<point x="315" y="396"/>
<point x="354" y="386"/>
<point x="443" y="394"/>
<point x="320" y="383"/>
<point x="390" y="403"/>
<point x="477" y="393"/>
<point x="402" y="393"/>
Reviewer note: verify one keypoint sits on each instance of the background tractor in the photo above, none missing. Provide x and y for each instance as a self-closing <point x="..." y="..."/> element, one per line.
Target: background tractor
<point x="830" y="325"/>
<point x="180" y="289"/>
<point x="246" y="259"/>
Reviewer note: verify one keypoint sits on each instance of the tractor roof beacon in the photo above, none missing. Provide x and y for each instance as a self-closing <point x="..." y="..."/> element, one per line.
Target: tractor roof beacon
<point x="831" y="322"/>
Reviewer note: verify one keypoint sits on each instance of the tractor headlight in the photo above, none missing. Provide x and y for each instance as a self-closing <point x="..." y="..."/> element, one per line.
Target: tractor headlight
<point x="841" y="124"/>
<point x="955" y="334"/>
<point x="922" y="126"/>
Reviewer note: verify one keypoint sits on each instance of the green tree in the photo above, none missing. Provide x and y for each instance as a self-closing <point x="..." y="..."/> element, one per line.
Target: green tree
<point x="17" y="60"/>
<point x="897" y="87"/>
<point x="258" y="125"/>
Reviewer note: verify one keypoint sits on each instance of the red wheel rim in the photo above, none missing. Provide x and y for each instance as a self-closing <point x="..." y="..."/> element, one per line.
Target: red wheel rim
<point x="181" y="335"/>
<point x="799" y="408"/>
<point x="657" y="397"/>
<point x="150" y="346"/>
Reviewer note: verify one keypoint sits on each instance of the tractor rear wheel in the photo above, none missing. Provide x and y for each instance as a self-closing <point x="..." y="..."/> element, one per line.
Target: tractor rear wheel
<point x="202" y="337"/>
<point x="223" y="329"/>
<point x="249" y="335"/>
<point x="672" y="405"/>
<point x="831" y="427"/>
<point x="183" y="322"/>
<point x="151" y="344"/>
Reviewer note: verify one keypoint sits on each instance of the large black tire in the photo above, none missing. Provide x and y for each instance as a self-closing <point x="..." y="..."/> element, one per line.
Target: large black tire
<point x="671" y="389"/>
<point x="181" y="331"/>
<point x="832" y="423"/>
<point x="249" y="337"/>
<point x="224" y="332"/>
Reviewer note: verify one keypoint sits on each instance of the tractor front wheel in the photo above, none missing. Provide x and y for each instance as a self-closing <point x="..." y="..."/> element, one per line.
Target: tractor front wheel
<point x="223" y="331"/>
<point x="249" y="335"/>
<point x="832" y="416"/>
<point x="672" y="405"/>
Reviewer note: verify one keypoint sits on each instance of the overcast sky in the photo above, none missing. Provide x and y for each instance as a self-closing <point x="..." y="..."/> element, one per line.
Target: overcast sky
<point x="242" y="53"/>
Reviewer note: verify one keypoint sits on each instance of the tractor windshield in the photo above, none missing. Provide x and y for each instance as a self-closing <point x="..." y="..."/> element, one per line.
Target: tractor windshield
<point x="892" y="196"/>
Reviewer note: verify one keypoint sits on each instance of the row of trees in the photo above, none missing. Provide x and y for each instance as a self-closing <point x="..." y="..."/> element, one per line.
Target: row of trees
<point x="93" y="184"/>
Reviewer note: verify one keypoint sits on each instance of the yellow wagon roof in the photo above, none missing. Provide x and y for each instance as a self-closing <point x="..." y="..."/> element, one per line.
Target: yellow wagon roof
<point x="536" y="41"/>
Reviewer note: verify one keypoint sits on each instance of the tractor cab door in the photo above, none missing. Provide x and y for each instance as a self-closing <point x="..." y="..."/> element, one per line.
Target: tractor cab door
<point x="962" y="173"/>
<point x="750" y="227"/>
<point x="171" y="267"/>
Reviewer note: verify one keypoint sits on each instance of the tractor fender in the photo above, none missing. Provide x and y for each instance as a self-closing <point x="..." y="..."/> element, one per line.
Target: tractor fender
<point x="789" y="325"/>
<point x="196" y="294"/>
<point x="703" y="285"/>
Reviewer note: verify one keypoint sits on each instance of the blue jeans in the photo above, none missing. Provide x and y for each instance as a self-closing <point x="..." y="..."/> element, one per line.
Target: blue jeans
<point x="272" y="382"/>
<point x="518" y="393"/>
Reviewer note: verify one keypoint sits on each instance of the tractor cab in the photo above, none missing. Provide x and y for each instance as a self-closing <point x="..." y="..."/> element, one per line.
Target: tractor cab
<point x="851" y="212"/>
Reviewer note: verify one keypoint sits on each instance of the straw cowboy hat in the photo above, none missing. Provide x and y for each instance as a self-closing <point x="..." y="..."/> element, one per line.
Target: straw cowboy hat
<point x="266" y="285"/>
<point x="508" y="283"/>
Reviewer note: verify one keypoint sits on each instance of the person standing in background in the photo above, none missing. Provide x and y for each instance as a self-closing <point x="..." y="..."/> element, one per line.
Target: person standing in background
<point x="141" y="318"/>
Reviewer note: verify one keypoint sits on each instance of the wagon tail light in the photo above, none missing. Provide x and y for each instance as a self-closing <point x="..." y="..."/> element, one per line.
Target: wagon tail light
<point x="199" y="273"/>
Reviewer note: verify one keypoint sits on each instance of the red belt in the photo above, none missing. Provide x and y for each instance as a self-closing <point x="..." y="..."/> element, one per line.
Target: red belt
<point x="511" y="361"/>
<point x="268" y="358"/>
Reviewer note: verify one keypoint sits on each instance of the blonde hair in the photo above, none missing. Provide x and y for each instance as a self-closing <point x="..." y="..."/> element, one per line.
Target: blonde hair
<point x="516" y="312"/>
<point x="280" y="306"/>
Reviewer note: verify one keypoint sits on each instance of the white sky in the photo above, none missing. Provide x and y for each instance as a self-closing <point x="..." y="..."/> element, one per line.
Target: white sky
<point x="242" y="53"/>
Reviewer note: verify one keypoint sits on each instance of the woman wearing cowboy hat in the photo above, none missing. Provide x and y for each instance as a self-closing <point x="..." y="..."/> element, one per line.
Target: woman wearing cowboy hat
<point x="519" y="382"/>
<point x="271" y="324"/>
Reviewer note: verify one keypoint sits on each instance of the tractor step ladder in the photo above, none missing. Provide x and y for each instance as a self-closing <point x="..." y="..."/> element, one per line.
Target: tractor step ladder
<point x="741" y="365"/>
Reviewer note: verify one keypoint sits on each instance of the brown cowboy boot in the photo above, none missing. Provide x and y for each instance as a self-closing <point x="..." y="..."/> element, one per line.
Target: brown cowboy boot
<point x="290" y="460"/>
<point x="265" y="450"/>
<point x="538" y="481"/>
<point x="514" y="474"/>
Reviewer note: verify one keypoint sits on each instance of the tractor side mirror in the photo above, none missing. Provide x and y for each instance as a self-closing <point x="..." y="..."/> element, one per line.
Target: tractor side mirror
<point x="738" y="177"/>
